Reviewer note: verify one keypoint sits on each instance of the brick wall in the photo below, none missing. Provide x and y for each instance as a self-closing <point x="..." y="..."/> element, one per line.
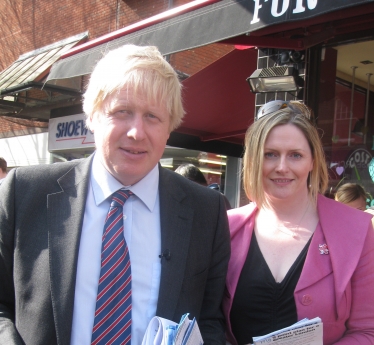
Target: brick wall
<point x="28" y="25"/>
<point x="14" y="127"/>
<point x="192" y="61"/>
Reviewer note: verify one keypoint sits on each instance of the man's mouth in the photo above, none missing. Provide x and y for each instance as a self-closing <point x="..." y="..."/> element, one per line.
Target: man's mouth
<point x="134" y="152"/>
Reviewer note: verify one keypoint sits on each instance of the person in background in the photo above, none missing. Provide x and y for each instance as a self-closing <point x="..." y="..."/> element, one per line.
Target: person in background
<point x="92" y="249"/>
<point x="353" y="195"/>
<point x="194" y="174"/>
<point x="294" y="253"/>
<point x="3" y="169"/>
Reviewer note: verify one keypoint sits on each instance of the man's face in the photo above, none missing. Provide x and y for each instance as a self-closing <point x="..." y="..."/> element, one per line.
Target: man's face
<point x="130" y="135"/>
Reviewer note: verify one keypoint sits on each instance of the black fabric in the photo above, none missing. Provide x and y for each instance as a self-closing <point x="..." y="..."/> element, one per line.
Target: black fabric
<point x="261" y="305"/>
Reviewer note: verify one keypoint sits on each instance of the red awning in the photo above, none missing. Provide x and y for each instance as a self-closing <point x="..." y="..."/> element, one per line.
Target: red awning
<point x="218" y="100"/>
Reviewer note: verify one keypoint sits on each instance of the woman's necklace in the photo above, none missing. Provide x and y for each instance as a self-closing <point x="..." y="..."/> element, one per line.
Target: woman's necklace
<point x="296" y="229"/>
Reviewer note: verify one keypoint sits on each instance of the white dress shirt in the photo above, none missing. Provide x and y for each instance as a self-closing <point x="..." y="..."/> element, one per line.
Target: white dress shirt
<point x="141" y="215"/>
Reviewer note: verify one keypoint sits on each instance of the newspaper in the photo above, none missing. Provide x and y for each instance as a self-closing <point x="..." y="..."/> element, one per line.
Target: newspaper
<point x="304" y="332"/>
<point x="161" y="331"/>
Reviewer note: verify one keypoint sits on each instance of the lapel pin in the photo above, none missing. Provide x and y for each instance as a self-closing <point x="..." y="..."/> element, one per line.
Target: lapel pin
<point x="323" y="249"/>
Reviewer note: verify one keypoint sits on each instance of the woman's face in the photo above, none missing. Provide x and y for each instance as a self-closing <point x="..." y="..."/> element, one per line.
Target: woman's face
<point x="287" y="163"/>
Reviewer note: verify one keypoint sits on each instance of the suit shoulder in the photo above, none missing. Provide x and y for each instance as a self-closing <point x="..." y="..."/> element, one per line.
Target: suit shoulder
<point x="340" y="212"/>
<point x="43" y="173"/>
<point x="182" y="187"/>
<point x="343" y="224"/>
<point x="185" y="183"/>
<point x="239" y="216"/>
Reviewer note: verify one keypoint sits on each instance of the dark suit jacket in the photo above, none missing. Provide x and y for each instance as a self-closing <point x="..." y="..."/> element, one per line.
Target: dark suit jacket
<point x="41" y="216"/>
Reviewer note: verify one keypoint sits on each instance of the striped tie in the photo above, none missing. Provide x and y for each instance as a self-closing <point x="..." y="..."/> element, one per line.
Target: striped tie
<point x="112" y="323"/>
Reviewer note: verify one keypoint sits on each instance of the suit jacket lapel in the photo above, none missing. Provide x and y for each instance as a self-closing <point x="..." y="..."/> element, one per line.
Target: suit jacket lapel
<point x="316" y="266"/>
<point x="343" y="242"/>
<point x="241" y="221"/>
<point x="176" y="224"/>
<point x="65" y="219"/>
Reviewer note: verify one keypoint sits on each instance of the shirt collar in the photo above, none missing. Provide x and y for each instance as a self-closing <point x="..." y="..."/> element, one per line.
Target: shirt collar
<point x="104" y="185"/>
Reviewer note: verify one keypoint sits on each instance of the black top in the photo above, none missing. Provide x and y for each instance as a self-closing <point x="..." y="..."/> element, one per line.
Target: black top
<point x="261" y="305"/>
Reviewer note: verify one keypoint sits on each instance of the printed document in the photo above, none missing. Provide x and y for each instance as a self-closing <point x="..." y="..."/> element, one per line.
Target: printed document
<point x="304" y="332"/>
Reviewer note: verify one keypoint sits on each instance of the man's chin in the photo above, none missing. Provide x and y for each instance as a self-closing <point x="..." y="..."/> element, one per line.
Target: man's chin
<point x="129" y="177"/>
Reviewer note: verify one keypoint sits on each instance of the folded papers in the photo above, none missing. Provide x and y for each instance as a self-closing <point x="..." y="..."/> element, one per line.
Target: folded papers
<point x="161" y="331"/>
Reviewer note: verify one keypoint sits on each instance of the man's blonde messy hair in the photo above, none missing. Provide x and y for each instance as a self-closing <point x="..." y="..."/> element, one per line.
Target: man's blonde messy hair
<point x="140" y="68"/>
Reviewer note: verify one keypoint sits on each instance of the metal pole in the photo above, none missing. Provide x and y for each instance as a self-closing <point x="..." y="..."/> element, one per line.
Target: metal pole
<point x="351" y="109"/>
<point x="367" y="106"/>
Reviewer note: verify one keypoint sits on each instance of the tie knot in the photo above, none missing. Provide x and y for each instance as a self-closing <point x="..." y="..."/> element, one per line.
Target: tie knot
<point x="120" y="197"/>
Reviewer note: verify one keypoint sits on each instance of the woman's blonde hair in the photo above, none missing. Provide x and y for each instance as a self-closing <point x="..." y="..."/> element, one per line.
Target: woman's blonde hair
<point x="141" y="68"/>
<point x="297" y="114"/>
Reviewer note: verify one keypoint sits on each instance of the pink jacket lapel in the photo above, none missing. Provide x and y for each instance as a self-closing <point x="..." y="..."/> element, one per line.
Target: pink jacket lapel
<point x="239" y="218"/>
<point x="343" y="242"/>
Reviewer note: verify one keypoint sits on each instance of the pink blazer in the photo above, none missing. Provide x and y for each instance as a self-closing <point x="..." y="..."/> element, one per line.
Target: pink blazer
<point x="337" y="287"/>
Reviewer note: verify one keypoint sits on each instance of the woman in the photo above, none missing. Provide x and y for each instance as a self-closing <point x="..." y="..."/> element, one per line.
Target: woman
<point x="293" y="252"/>
<point x="353" y="195"/>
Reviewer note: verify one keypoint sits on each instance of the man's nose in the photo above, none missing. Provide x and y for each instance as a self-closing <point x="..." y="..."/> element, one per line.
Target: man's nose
<point x="136" y="130"/>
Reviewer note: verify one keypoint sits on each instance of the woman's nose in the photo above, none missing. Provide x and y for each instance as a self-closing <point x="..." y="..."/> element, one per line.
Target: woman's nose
<point x="282" y="165"/>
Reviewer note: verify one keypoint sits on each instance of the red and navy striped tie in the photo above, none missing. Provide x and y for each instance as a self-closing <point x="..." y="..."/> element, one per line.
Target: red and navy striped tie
<point x="112" y="323"/>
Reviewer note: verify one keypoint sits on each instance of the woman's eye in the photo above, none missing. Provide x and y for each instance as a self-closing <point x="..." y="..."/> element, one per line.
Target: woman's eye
<point x="270" y="155"/>
<point x="296" y="155"/>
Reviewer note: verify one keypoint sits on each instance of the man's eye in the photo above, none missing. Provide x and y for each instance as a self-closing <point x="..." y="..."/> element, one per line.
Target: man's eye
<point x="118" y="112"/>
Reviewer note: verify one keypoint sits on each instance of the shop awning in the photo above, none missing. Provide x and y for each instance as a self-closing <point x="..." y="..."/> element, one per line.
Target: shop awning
<point x="218" y="101"/>
<point x="34" y="66"/>
<point x="190" y="26"/>
<point x="27" y="73"/>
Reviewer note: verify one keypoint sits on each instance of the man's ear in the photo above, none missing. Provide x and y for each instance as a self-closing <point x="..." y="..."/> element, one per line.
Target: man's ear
<point x="89" y="122"/>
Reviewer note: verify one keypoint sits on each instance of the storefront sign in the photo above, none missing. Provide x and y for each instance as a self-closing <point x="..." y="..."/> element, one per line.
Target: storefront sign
<point x="359" y="158"/>
<point x="280" y="7"/>
<point x="275" y="11"/>
<point x="69" y="132"/>
<point x="357" y="165"/>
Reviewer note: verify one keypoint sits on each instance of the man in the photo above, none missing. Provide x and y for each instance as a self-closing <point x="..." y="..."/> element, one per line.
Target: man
<point x="3" y="169"/>
<point x="54" y="223"/>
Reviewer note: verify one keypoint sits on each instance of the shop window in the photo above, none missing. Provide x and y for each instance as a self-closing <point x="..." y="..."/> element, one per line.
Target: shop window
<point x="346" y="114"/>
<point x="213" y="166"/>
